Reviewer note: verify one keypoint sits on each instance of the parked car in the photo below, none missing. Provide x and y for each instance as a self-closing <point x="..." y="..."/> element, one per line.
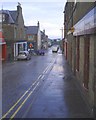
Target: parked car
<point x="40" y="52"/>
<point x="24" y="55"/>
<point x="55" y="48"/>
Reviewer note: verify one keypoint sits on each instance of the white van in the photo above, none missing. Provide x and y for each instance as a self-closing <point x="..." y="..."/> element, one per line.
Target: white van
<point x="55" y="48"/>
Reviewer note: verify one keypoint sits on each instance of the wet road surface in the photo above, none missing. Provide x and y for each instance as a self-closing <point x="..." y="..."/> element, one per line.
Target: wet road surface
<point x="51" y="93"/>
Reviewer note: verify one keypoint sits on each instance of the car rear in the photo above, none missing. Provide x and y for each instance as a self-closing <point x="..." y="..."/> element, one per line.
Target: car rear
<point x="24" y="55"/>
<point x="55" y="49"/>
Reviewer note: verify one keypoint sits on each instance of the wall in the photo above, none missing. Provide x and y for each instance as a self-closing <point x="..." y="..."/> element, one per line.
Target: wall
<point x="20" y="27"/>
<point x="79" y="11"/>
<point x="91" y="70"/>
<point x="8" y="31"/>
<point x="39" y="40"/>
<point x="81" y="60"/>
<point x="94" y="87"/>
<point x="74" y="55"/>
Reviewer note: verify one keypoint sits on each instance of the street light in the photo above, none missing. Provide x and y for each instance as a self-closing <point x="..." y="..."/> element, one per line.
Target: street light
<point x="62" y="32"/>
<point x="62" y="46"/>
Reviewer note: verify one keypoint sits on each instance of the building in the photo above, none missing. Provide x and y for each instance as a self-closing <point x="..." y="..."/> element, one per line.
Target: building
<point x="44" y="40"/>
<point x="33" y="37"/>
<point x="2" y="48"/>
<point x="13" y="30"/>
<point x="80" y="46"/>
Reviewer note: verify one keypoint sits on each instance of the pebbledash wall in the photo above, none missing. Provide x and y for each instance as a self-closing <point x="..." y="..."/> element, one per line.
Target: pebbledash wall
<point x="80" y="44"/>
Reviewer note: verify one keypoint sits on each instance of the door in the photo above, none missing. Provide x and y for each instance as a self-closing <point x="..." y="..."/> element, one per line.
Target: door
<point x="86" y="61"/>
<point x="77" y="53"/>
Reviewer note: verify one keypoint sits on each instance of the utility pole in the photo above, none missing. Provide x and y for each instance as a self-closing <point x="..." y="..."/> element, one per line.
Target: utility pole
<point x="62" y="44"/>
<point x="62" y="32"/>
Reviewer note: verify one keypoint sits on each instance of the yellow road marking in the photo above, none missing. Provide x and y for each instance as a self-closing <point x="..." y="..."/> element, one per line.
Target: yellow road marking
<point x="48" y="69"/>
<point x="14" y="105"/>
<point x="19" y="99"/>
<point x="4" y="116"/>
<point x="22" y="103"/>
<point x="39" y="77"/>
<point x="42" y="77"/>
<point x="45" y="69"/>
<point x="36" y="80"/>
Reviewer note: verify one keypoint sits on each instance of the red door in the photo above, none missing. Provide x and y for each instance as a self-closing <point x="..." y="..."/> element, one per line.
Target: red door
<point x="4" y="52"/>
<point x="86" y="61"/>
<point x="65" y="50"/>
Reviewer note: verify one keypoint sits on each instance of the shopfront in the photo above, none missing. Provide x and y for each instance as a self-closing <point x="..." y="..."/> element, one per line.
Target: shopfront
<point x="3" y="47"/>
<point x="19" y="46"/>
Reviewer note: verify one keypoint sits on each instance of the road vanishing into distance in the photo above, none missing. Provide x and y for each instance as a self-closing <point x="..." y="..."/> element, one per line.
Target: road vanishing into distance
<point x="41" y="88"/>
<point x="22" y="76"/>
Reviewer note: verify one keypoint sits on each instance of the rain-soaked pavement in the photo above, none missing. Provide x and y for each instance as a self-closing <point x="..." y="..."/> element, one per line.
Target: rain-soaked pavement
<point x="55" y="94"/>
<point x="59" y="97"/>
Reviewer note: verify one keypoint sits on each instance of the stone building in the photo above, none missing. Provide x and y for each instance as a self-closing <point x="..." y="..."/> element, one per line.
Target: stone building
<point x="44" y="40"/>
<point x="33" y="37"/>
<point x="80" y="46"/>
<point x="13" y="30"/>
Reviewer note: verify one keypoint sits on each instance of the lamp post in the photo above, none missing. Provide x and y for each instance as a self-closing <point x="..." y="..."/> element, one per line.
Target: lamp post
<point x="62" y="32"/>
<point x="62" y="46"/>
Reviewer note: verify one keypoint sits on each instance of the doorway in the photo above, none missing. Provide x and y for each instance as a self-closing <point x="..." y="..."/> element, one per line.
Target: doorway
<point x="86" y="61"/>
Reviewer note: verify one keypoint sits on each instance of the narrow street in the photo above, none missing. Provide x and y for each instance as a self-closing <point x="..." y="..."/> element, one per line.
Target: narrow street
<point x="43" y="87"/>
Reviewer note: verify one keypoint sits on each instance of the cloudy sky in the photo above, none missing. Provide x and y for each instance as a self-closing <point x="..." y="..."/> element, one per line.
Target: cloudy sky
<point x="49" y="13"/>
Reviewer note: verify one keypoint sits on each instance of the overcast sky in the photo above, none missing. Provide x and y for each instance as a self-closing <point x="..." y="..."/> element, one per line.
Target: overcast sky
<point x="49" y="13"/>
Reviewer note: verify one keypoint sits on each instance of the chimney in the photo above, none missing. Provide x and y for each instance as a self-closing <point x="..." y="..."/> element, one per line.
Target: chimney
<point x="38" y="24"/>
<point x="19" y="8"/>
<point x="44" y="31"/>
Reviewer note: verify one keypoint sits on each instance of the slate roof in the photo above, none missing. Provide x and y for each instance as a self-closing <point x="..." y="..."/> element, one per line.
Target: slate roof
<point x="32" y="29"/>
<point x="12" y="16"/>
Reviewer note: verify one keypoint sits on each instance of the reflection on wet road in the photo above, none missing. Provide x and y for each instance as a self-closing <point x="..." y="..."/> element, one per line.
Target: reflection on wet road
<point x="43" y="87"/>
<point x="19" y="77"/>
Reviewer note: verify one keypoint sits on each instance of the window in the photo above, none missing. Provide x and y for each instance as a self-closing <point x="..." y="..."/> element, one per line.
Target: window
<point x="30" y="37"/>
<point x="3" y="17"/>
<point x="15" y="32"/>
<point x="21" y="32"/>
<point x="0" y="17"/>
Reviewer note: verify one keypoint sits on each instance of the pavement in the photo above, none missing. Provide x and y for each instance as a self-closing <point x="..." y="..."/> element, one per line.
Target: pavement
<point x="60" y="96"/>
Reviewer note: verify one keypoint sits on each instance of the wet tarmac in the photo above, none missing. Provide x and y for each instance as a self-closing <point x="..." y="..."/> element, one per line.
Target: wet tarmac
<point x="59" y="97"/>
<point x="55" y="93"/>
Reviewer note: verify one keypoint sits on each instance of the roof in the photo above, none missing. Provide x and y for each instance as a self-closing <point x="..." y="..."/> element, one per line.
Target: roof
<point x="32" y="29"/>
<point x="12" y="16"/>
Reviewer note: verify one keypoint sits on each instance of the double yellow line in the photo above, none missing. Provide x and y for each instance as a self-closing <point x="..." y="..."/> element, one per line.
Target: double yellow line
<point x="26" y="92"/>
<point x="37" y="82"/>
<point x="23" y="102"/>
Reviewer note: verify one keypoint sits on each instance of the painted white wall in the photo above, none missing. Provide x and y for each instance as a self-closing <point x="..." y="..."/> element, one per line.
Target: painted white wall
<point x="16" y="48"/>
<point x="39" y="39"/>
